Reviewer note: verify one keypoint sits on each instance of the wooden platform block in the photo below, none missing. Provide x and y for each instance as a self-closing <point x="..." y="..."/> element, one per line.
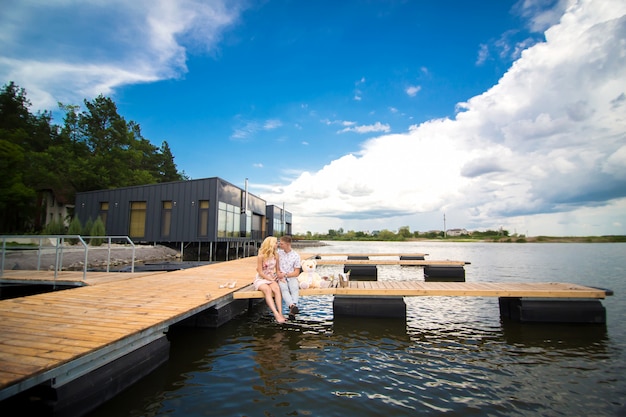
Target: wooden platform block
<point x="384" y="307"/>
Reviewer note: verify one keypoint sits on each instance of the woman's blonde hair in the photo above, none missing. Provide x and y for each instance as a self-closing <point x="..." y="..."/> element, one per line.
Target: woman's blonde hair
<point x="268" y="247"/>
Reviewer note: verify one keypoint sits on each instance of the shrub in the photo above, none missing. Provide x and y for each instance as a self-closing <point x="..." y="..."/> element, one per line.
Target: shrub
<point x="97" y="230"/>
<point x="88" y="227"/>
<point x="55" y="227"/>
<point x="75" y="229"/>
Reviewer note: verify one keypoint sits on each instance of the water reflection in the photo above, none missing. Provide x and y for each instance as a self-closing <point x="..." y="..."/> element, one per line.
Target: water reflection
<point x="371" y="328"/>
<point x="589" y="339"/>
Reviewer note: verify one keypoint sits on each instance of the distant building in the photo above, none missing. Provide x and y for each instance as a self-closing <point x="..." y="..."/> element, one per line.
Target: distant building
<point x="279" y="221"/>
<point x="54" y="206"/>
<point x="457" y="232"/>
<point x="208" y="219"/>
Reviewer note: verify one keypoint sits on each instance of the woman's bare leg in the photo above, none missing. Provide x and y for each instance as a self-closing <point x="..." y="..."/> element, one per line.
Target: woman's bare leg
<point x="278" y="297"/>
<point x="269" y="300"/>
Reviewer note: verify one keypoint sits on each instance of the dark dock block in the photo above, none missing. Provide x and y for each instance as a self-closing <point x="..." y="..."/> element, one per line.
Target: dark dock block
<point x="214" y="317"/>
<point x="358" y="258"/>
<point x="381" y="307"/>
<point x="411" y="258"/>
<point x="83" y="394"/>
<point x="589" y="311"/>
<point x="362" y="272"/>
<point x="444" y="273"/>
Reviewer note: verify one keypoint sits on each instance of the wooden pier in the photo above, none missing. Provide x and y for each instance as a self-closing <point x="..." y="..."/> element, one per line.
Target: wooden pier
<point x="447" y="289"/>
<point x="55" y="339"/>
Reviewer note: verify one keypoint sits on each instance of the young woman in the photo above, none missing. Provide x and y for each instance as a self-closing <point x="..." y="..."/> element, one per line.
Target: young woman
<point x="266" y="279"/>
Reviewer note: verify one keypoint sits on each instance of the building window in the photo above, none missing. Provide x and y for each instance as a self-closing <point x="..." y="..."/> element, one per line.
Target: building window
<point x="104" y="211"/>
<point x="228" y="220"/>
<point x="203" y="220"/>
<point x="166" y="218"/>
<point x="137" y="219"/>
<point x="278" y="227"/>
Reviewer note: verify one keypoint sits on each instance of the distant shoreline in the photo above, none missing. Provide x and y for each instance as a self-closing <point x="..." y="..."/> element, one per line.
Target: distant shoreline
<point x="504" y="239"/>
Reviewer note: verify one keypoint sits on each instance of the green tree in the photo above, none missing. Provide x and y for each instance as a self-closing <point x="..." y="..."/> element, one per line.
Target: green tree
<point x="404" y="232"/>
<point x="167" y="168"/>
<point x="96" y="148"/>
<point x="20" y="134"/>
<point x="98" y="229"/>
<point x="88" y="229"/>
<point x="75" y="229"/>
<point x="55" y="227"/>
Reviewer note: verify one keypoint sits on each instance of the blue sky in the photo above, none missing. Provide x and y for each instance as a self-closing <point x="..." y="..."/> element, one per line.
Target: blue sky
<point x="361" y="115"/>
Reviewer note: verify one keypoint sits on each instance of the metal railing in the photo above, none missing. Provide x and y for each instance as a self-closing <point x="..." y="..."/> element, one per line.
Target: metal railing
<point x="57" y="243"/>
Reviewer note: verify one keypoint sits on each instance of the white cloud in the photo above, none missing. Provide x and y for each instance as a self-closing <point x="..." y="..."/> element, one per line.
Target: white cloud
<point x="483" y="54"/>
<point x="142" y="41"/>
<point x="376" y="127"/>
<point x="248" y="129"/>
<point x="413" y="90"/>
<point x="272" y="124"/>
<point x="542" y="150"/>
<point x="541" y="14"/>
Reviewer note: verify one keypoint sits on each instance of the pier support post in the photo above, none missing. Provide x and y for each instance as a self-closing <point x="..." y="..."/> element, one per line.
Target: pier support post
<point x="90" y="389"/>
<point x="355" y="306"/>
<point x="216" y="316"/>
<point x="444" y="273"/>
<point x="528" y="310"/>
<point x="362" y="272"/>
<point x="411" y="258"/>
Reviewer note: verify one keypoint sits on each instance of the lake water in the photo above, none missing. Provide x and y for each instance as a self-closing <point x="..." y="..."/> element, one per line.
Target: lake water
<point x="452" y="356"/>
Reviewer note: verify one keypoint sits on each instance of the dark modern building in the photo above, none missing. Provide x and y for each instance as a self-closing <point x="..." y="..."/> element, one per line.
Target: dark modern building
<point x="207" y="219"/>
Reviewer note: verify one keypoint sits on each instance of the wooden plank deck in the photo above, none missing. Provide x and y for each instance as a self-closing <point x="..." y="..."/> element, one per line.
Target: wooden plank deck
<point x="448" y="289"/>
<point x="47" y="336"/>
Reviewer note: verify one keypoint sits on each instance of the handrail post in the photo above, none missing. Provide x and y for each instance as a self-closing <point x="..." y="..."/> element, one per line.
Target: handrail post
<point x="4" y="248"/>
<point x="132" y="265"/>
<point x="39" y="249"/>
<point x="56" y="257"/>
<point x="109" y="253"/>
<point x="86" y="257"/>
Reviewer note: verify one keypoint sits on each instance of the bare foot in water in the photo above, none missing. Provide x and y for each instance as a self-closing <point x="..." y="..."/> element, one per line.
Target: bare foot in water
<point x="279" y="318"/>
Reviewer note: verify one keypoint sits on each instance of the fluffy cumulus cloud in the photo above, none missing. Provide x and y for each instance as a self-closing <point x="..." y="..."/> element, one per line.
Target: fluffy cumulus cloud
<point x="543" y="149"/>
<point x="140" y="42"/>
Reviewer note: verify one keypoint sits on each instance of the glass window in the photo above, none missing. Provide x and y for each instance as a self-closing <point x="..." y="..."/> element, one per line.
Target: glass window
<point x="166" y="218"/>
<point x="203" y="219"/>
<point x="137" y="219"/>
<point x="228" y="220"/>
<point x="104" y="211"/>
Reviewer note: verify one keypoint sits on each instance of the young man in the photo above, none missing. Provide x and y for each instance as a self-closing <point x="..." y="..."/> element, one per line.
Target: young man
<point x="289" y="270"/>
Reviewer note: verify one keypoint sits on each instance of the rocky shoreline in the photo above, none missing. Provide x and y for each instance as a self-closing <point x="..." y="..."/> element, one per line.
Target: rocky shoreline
<point x="72" y="258"/>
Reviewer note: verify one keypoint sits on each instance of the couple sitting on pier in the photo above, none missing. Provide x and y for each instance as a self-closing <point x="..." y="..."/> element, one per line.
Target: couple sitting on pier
<point x="277" y="276"/>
